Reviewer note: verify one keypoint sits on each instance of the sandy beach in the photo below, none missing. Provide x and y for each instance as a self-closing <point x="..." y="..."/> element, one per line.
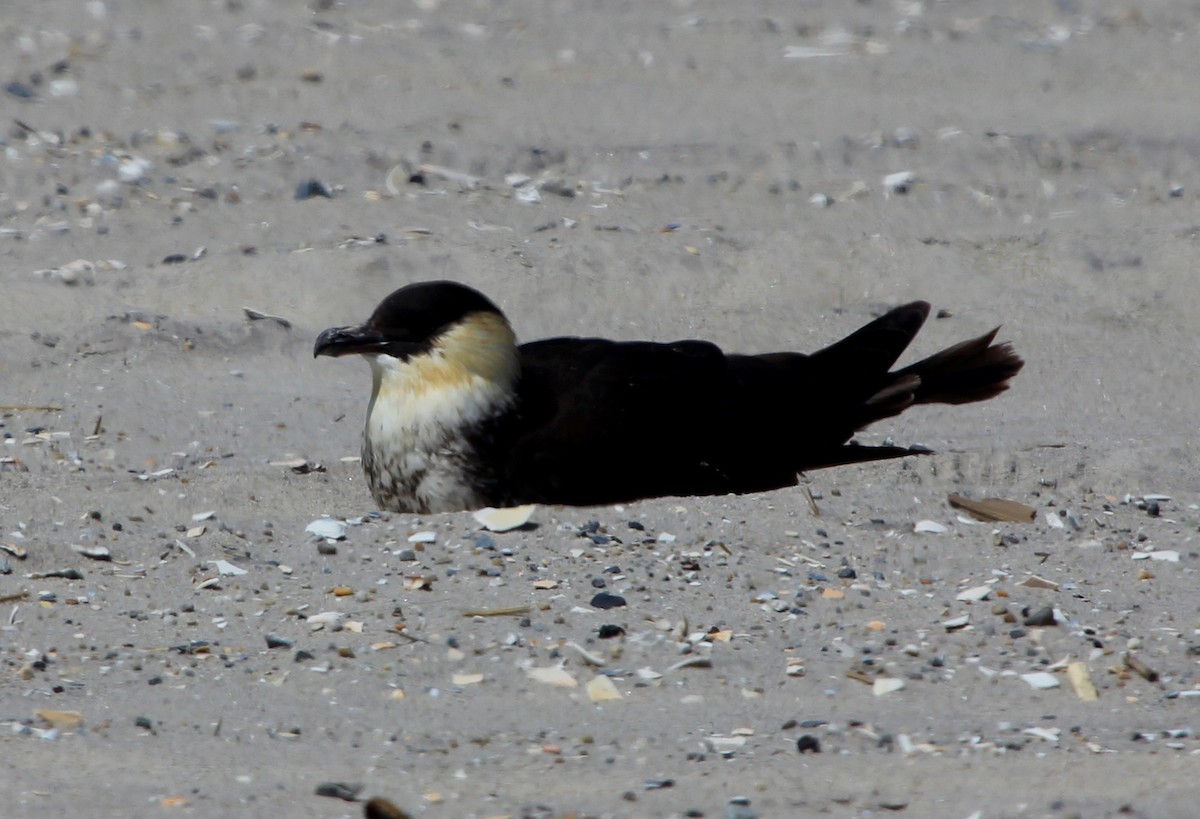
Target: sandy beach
<point x="190" y="192"/>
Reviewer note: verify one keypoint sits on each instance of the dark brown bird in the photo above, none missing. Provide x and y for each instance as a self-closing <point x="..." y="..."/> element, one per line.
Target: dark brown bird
<point x="462" y="417"/>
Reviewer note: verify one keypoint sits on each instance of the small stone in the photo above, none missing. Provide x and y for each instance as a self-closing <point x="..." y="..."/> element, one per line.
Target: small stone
<point x="311" y="188"/>
<point x="808" y="744"/>
<point x="1040" y="617"/>
<point x="605" y="600"/>
<point x="900" y="182"/>
<point x="339" y="790"/>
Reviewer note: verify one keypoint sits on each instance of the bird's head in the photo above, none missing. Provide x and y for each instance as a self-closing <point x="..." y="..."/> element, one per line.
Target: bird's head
<point x="440" y="331"/>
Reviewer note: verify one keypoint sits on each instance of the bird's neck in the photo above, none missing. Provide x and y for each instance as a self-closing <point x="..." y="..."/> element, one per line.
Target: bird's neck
<point x="428" y="411"/>
<point x="469" y="373"/>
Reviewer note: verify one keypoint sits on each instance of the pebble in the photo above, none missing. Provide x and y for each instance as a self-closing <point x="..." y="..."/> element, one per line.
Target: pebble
<point x="1043" y="616"/>
<point x="900" y="182"/>
<point x="310" y="189"/>
<point x="808" y="744"/>
<point x="339" y="790"/>
<point x="739" y="808"/>
<point x="606" y="600"/>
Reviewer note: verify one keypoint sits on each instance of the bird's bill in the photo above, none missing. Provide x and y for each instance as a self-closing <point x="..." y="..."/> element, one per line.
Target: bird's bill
<point x="337" y="341"/>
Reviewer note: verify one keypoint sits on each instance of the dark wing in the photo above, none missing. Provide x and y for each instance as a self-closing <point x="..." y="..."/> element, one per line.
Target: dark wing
<point x="602" y="421"/>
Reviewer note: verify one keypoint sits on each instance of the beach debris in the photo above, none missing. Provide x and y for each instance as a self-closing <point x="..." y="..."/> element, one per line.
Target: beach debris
<point x="328" y="620"/>
<point x="994" y="510"/>
<point x="886" y="685"/>
<point x="900" y="182"/>
<point x="552" y="675"/>
<point x="1081" y="681"/>
<point x="1043" y="616"/>
<point x="418" y="582"/>
<point x="726" y="746"/>
<point x="310" y="189"/>
<point x="340" y="790"/>
<point x="974" y="594"/>
<point x="65" y="574"/>
<point x="93" y="552"/>
<point x="601" y="689"/>
<point x="463" y="180"/>
<point x="503" y="611"/>
<point x="955" y="623"/>
<point x="68" y="720"/>
<point x="587" y="656"/>
<point x="258" y="315"/>
<point x="1048" y="734"/>
<point x="1035" y="582"/>
<point x="19" y="552"/>
<point x="929" y="527"/>
<point x="1144" y="671"/>
<point x="327" y="528"/>
<point x="79" y="271"/>
<point x="423" y="537"/>
<point x="1167" y="555"/>
<point x="224" y="567"/>
<point x="506" y="519"/>
<point x="605" y="600"/>
<point x="691" y="662"/>
<point x="1041" y="680"/>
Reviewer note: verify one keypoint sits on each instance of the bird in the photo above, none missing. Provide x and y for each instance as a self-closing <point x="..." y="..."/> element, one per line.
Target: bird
<point x="463" y="417"/>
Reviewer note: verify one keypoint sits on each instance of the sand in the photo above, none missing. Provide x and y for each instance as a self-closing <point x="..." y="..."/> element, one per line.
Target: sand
<point x="704" y="170"/>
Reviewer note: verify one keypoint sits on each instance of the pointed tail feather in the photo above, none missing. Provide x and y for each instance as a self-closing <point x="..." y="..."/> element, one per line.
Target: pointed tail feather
<point x="973" y="370"/>
<point x="875" y="347"/>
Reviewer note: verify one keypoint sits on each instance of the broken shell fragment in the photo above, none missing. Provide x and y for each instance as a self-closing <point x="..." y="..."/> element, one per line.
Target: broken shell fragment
<point x="504" y="520"/>
<point x="601" y="689"/>
<point x="327" y="528"/>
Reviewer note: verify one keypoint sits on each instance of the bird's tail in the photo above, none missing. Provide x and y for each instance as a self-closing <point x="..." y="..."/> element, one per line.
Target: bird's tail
<point x="972" y="370"/>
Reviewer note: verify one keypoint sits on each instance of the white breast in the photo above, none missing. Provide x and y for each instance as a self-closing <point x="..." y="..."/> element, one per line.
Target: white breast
<point x="417" y="455"/>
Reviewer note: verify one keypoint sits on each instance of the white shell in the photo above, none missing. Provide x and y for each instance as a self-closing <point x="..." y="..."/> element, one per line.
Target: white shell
<point x="327" y="528"/>
<point x="504" y="520"/>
